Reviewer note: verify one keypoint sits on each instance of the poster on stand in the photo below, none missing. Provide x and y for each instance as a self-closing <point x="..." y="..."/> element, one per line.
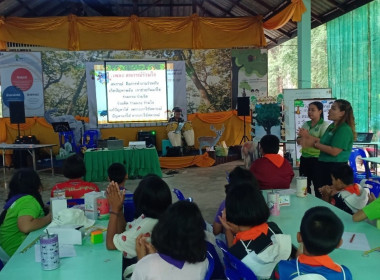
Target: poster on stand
<point x="21" y="80"/>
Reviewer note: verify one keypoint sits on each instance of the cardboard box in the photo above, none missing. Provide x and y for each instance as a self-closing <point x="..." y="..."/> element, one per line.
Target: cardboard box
<point x="90" y="204"/>
<point x="57" y="204"/>
<point x="68" y="234"/>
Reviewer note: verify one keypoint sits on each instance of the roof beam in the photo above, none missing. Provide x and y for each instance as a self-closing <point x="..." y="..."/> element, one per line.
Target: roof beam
<point x="135" y="9"/>
<point x="151" y="6"/>
<point x="104" y="10"/>
<point x="236" y="2"/>
<point x="30" y="10"/>
<point x="336" y="4"/>
<point x="220" y="8"/>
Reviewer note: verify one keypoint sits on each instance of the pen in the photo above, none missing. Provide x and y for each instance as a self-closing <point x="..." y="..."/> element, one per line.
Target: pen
<point x="352" y="238"/>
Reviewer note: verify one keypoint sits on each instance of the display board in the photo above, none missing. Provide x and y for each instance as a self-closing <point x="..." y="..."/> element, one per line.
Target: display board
<point x="292" y="94"/>
<point x="301" y="116"/>
<point x="21" y="80"/>
<point x="97" y="96"/>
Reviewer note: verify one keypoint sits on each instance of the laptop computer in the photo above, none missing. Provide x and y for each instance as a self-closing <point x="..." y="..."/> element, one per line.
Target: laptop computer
<point x="364" y="137"/>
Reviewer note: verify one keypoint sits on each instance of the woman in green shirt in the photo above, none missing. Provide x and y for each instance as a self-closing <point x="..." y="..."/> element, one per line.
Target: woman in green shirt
<point x="335" y="145"/>
<point x="316" y="127"/>
<point x="24" y="210"/>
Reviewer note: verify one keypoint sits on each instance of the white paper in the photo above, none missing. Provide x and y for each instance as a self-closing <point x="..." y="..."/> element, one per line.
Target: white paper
<point x="65" y="251"/>
<point x="359" y="242"/>
<point x="286" y="191"/>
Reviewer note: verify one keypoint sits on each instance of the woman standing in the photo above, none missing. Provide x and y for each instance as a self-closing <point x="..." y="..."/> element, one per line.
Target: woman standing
<point x="316" y="128"/>
<point x="335" y="145"/>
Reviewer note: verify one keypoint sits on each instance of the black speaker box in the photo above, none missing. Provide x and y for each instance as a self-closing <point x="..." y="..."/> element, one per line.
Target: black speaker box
<point x="17" y="111"/>
<point x="148" y="136"/>
<point x="243" y="106"/>
<point x="174" y="152"/>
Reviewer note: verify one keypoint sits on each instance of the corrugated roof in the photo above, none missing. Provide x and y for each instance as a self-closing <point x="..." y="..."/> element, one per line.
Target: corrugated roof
<point x="321" y="10"/>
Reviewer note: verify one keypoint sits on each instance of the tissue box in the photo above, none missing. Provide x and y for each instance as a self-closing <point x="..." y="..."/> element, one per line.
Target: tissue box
<point x="68" y="234"/>
<point x="90" y="204"/>
<point x="57" y="204"/>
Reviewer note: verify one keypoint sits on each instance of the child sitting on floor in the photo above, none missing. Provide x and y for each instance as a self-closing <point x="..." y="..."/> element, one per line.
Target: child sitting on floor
<point x="257" y="242"/>
<point x="344" y="193"/>
<point x="320" y="233"/>
<point x="75" y="187"/>
<point x="117" y="173"/>
<point x="272" y="170"/>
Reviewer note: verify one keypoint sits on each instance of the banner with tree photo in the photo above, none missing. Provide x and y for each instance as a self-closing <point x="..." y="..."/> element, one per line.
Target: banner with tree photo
<point x="267" y="118"/>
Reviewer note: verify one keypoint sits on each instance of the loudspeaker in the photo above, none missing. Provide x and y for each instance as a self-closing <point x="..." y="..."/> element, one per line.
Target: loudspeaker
<point x="17" y="111"/>
<point x="148" y="136"/>
<point x="243" y="106"/>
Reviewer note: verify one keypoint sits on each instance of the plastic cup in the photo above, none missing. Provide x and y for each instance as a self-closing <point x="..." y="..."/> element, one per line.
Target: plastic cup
<point x="301" y="186"/>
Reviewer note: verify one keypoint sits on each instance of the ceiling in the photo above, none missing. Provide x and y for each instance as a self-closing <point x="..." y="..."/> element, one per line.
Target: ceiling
<point x="322" y="11"/>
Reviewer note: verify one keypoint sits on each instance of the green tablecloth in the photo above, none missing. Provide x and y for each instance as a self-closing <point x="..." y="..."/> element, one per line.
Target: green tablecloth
<point x="138" y="162"/>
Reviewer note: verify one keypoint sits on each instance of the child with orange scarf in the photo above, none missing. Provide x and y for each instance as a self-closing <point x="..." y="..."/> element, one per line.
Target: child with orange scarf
<point x="344" y="193"/>
<point x="259" y="244"/>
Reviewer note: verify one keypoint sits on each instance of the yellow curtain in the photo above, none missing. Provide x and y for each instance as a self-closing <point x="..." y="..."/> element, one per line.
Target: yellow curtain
<point x="181" y="162"/>
<point x="30" y="123"/>
<point x="293" y="11"/>
<point x="135" y="33"/>
<point x="218" y="117"/>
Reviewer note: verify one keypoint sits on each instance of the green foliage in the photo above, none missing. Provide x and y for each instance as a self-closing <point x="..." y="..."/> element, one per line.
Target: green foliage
<point x="245" y="85"/>
<point x="268" y="115"/>
<point x="283" y="63"/>
<point x="253" y="61"/>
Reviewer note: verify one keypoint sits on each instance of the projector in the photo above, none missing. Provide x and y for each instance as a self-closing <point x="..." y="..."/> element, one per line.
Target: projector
<point x="137" y="144"/>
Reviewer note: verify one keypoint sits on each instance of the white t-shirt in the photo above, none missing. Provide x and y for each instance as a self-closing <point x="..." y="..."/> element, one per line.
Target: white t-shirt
<point x="153" y="267"/>
<point x="126" y="241"/>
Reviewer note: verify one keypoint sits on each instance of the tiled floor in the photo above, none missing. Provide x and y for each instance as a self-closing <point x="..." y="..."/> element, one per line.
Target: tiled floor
<point x="204" y="185"/>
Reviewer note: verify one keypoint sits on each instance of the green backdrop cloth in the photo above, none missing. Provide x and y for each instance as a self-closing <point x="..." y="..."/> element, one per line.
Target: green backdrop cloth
<point x="137" y="162"/>
<point x="353" y="49"/>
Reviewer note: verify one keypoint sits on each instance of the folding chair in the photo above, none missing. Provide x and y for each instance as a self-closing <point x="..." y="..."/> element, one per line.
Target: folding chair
<point x="235" y="268"/>
<point x="210" y="269"/>
<point x="180" y="195"/>
<point x="358" y="176"/>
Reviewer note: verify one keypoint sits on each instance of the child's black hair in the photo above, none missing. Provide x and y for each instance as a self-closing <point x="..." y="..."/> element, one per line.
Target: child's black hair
<point x="25" y="181"/>
<point x="73" y="167"/>
<point x="116" y="172"/>
<point x="179" y="233"/>
<point x="239" y="175"/>
<point x="270" y="144"/>
<point x="246" y="206"/>
<point x="152" y="197"/>
<point x="344" y="173"/>
<point x="321" y="230"/>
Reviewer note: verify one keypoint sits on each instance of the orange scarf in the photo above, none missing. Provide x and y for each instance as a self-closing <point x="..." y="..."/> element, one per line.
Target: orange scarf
<point x="252" y="233"/>
<point x="324" y="260"/>
<point x="354" y="188"/>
